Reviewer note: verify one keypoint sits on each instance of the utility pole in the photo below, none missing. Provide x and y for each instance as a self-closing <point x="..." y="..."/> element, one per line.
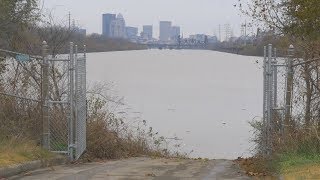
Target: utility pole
<point x="69" y="17"/>
<point x="73" y="24"/>
<point x="244" y="31"/>
<point x="220" y="33"/>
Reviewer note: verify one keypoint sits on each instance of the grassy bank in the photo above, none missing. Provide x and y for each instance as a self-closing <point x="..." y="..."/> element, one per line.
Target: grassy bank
<point x="297" y="156"/>
<point x="303" y="164"/>
<point x="307" y="171"/>
<point x="286" y="165"/>
<point x="19" y="150"/>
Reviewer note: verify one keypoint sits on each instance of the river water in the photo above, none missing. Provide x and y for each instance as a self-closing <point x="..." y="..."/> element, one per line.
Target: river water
<point x="204" y="98"/>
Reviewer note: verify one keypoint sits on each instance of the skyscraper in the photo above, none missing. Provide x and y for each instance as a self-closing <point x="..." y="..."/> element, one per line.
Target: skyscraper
<point x="165" y="30"/>
<point x="118" y="27"/>
<point x="106" y="23"/>
<point x="132" y="32"/>
<point x="147" y="32"/>
<point x="175" y="32"/>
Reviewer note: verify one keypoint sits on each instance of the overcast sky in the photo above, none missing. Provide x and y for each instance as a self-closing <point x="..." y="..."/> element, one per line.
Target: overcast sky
<point x="194" y="16"/>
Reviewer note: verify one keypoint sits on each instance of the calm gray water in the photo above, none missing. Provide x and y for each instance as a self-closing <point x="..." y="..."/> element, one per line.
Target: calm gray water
<point x="206" y="98"/>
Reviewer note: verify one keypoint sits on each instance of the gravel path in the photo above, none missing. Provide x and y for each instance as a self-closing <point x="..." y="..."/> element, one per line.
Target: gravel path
<point x="141" y="168"/>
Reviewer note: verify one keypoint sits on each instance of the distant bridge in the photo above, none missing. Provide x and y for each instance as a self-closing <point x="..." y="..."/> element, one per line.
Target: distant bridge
<point x="176" y="46"/>
<point x="230" y="49"/>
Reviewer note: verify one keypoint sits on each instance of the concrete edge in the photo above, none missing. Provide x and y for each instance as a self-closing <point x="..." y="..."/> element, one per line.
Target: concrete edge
<point x="31" y="166"/>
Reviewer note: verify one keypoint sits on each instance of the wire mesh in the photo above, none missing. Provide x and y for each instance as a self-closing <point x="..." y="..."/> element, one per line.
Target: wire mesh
<point x="292" y="95"/>
<point x="81" y="106"/>
<point x="279" y="89"/>
<point x="20" y="79"/>
<point x="306" y="95"/>
<point x="59" y="106"/>
<point x="36" y="100"/>
<point x="20" y="85"/>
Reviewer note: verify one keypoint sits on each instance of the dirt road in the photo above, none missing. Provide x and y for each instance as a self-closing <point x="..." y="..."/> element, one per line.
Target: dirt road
<point x="141" y="168"/>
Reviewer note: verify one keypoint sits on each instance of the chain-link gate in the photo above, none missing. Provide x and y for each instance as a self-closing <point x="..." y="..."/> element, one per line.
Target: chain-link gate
<point x="81" y="103"/>
<point x="290" y="97"/>
<point x="50" y="93"/>
<point x="275" y="77"/>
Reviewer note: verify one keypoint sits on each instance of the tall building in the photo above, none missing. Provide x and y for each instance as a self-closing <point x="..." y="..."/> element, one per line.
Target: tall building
<point x="212" y="39"/>
<point x="175" y="33"/>
<point x="147" y="32"/>
<point x="131" y="32"/>
<point x="228" y="32"/>
<point x="106" y="23"/>
<point x="165" y="30"/>
<point x="82" y="32"/>
<point x="118" y="27"/>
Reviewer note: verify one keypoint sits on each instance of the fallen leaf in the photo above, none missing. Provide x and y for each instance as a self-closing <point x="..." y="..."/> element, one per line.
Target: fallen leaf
<point x="150" y="175"/>
<point x="27" y="174"/>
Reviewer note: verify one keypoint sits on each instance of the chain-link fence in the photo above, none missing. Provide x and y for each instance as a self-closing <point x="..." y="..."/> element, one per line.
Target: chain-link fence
<point x="20" y="87"/>
<point x="44" y="98"/>
<point x="291" y="99"/>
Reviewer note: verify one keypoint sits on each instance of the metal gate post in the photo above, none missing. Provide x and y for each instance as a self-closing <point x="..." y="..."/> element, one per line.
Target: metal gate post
<point x="85" y="90"/>
<point x="44" y="97"/>
<point x="289" y="89"/>
<point x="71" y="104"/>
<point x="76" y="96"/>
<point x="275" y="79"/>
<point x="265" y="87"/>
<point x="269" y="99"/>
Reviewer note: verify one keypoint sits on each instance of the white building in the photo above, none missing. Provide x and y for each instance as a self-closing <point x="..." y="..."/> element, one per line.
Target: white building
<point x="118" y="27"/>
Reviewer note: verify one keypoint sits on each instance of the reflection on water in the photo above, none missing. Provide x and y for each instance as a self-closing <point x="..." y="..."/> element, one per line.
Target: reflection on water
<point x="206" y="98"/>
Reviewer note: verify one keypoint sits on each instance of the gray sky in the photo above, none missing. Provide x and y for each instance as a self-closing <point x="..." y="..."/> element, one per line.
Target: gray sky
<point x="194" y="16"/>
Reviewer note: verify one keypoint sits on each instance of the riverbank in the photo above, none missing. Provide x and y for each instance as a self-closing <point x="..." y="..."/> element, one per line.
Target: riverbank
<point x="20" y="150"/>
<point x="245" y="51"/>
<point x="255" y="48"/>
<point x="284" y="166"/>
<point x="97" y="43"/>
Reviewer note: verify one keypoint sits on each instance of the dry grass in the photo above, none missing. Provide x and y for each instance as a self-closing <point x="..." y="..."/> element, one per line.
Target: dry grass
<point x="255" y="166"/>
<point x="104" y="142"/>
<point x="303" y="172"/>
<point x="112" y="137"/>
<point x="108" y="136"/>
<point x="19" y="150"/>
<point x="294" y="153"/>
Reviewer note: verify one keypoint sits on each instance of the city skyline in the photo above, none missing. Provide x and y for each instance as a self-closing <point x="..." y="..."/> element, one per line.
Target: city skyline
<point x="151" y="13"/>
<point x="114" y="26"/>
